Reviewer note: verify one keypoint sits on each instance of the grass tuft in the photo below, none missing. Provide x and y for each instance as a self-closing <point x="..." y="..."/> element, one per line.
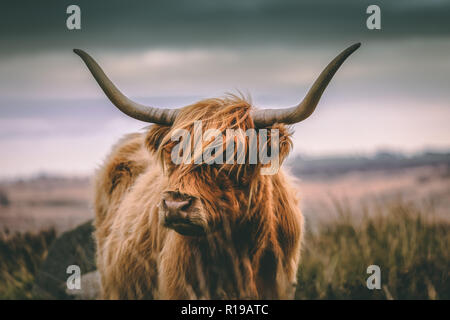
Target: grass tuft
<point x="21" y="255"/>
<point x="409" y="245"/>
<point x="411" y="249"/>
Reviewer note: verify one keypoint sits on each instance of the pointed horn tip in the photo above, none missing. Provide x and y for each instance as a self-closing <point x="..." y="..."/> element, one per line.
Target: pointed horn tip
<point x="355" y="46"/>
<point x="347" y="52"/>
<point x="78" y="51"/>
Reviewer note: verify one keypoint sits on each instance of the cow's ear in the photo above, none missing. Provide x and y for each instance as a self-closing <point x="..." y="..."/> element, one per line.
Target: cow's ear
<point x="155" y="135"/>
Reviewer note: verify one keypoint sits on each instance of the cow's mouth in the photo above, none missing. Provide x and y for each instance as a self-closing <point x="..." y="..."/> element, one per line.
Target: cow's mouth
<point x="184" y="227"/>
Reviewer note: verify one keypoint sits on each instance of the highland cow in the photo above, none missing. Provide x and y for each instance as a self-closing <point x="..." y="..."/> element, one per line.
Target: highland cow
<point x="198" y="230"/>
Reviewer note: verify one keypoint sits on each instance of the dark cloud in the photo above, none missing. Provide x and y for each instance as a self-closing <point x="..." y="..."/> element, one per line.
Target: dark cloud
<point x="172" y="53"/>
<point x="27" y="26"/>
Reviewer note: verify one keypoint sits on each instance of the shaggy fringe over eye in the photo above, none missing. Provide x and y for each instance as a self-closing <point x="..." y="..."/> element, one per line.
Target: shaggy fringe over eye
<point x="231" y="112"/>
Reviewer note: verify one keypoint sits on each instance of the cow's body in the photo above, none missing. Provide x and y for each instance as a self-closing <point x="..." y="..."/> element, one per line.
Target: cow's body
<point x="256" y="256"/>
<point x="168" y="229"/>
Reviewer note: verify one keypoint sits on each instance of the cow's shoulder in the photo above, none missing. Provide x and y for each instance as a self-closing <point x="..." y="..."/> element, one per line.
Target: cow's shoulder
<point x="127" y="160"/>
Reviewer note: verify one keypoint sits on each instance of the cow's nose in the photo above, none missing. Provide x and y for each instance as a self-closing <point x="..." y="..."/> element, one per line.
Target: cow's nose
<point x="177" y="208"/>
<point x="182" y="213"/>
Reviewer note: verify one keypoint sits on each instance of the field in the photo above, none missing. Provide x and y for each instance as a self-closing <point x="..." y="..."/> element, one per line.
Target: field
<point x="396" y="218"/>
<point x="409" y="246"/>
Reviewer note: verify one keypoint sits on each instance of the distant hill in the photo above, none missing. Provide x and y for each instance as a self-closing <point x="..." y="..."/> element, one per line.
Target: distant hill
<point x="300" y="165"/>
<point x="386" y="161"/>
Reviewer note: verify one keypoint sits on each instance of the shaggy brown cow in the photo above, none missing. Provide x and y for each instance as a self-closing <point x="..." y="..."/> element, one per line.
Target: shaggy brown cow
<point x="192" y="231"/>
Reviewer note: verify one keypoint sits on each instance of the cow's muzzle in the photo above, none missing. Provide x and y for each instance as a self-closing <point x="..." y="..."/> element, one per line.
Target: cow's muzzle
<point x="182" y="213"/>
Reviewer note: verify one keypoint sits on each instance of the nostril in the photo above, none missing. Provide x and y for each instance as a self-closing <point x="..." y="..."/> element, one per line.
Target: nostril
<point x="186" y="205"/>
<point x="177" y="205"/>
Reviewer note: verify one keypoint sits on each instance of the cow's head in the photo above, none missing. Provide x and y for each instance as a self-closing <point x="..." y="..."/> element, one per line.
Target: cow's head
<point x="214" y="181"/>
<point x="206" y="185"/>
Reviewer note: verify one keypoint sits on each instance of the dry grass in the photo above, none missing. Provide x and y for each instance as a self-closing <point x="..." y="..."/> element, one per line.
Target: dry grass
<point x="21" y="255"/>
<point x="409" y="245"/>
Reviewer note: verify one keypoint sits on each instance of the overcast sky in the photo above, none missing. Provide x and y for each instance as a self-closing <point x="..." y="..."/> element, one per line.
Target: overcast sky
<point x="392" y="93"/>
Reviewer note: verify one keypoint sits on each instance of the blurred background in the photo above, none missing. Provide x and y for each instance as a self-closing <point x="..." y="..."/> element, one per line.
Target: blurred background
<point x="379" y="139"/>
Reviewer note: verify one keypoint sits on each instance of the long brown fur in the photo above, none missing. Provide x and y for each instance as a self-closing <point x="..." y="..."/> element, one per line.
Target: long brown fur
<point x="253" y="249"/>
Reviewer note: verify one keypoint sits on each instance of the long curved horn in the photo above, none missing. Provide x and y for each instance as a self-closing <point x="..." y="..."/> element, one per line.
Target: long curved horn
<point x="127" y="106"/>
<point x="267" y="117"/>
